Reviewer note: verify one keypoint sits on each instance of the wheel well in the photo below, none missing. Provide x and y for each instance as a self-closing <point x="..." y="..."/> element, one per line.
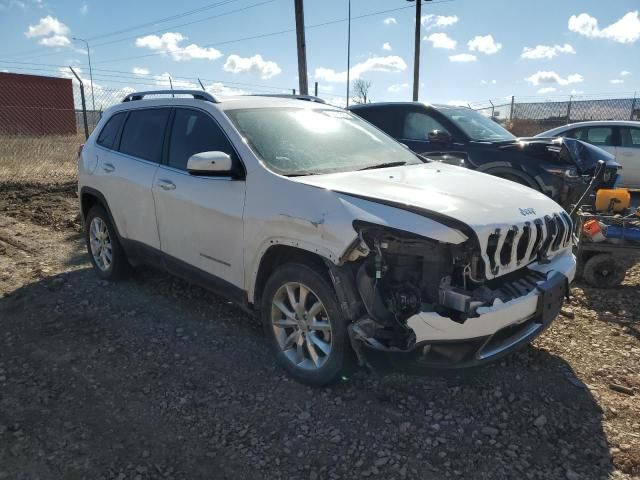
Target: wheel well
<point x="87" y="201"/>
<point x="277" y="255"/>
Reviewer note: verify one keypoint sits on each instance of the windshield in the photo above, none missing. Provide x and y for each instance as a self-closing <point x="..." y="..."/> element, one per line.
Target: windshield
<point x="477" y="126"/>
<point x="306" y="141"/>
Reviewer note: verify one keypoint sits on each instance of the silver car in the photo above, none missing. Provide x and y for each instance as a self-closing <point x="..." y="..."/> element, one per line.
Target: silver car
<point x="618" y="137"/>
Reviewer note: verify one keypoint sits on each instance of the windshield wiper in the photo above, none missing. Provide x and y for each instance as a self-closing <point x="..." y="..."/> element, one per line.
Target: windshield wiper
<point x="383" y="165"/>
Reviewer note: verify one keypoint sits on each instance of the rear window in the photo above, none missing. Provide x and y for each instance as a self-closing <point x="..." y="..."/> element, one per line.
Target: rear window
<point x="110" y="131"/>
<point x="143" y="133"/>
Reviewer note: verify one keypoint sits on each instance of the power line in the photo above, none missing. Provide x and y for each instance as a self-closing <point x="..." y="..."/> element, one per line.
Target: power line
<point x="185" y="24"/>
<point x="162" y="20"/>
<point x="125" y="30"/>
<point x="279" y="32"/>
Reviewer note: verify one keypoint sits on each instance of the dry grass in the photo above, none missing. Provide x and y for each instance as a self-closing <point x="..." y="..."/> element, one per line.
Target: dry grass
<point x="39" y="158"/>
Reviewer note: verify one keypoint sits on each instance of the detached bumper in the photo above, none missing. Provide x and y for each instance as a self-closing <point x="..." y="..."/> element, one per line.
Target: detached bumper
<point x="437" y="341"/>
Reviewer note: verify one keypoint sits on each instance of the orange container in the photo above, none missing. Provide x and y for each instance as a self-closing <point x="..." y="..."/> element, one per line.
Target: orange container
<point x="612" y="200"/>
<point x="593" y="230"/>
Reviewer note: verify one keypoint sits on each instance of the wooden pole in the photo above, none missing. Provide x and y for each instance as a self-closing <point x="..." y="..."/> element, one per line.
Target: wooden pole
<point x="302" y="48"/>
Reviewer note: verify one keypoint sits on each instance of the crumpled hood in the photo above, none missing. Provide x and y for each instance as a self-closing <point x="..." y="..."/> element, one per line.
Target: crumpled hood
<point x="482" y="201"/>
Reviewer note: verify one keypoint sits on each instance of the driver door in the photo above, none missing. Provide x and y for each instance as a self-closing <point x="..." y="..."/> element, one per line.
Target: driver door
<point x="415" y="132"/>
<point x="199" y="217"/>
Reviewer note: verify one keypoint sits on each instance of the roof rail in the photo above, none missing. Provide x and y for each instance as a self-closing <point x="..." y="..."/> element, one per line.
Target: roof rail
<point x="308" y="98"/>
<point x="197" y="94"/>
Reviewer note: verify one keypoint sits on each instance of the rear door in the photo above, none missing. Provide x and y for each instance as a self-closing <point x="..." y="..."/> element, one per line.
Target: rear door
<point x="200" y="217"/>
<point x="601" y="136"/>
<point x="127" y="170"/>
<point x="628" y="154"/>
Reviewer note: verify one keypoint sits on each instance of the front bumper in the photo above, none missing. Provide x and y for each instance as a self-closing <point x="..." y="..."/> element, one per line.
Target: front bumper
<point x="438" y="341"/>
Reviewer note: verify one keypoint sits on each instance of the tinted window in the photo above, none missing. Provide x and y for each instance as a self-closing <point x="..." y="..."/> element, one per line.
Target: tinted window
<point x="388" y="119"/>
<point x="110" y="131"/>
<point x="418" y="125"/>
<point x="595" y="135"/>
<point x="630" y="137"/>
<point x="194" y="132"/>
<point x="144" y="133"/>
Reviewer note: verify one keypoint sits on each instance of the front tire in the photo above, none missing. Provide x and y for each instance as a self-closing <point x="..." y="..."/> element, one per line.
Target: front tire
<point x="106" y="254"/>
<point x="304" y="325"/>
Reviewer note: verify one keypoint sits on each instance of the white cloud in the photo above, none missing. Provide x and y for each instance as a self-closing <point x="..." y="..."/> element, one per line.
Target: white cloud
<point x="545" y="51"/>
<point x="463" y="58"/>
<point x="169" y="43"/>
<point x="545" y="90"/>
<point x="140" y="71"/>
<point x="386" y="46"/>
<point x="484" y="44"/>
<point x="625" y="30"/>
<point x="484" y="82"/>
<point x="576" y="92"/>
<point x="616" y="81"/>
<point x="47" y="26"/>
<point x="390" y="21"/>
<point x="55" y="41"/>
<point x="539" y="78"/>
<point x="256" y="64"/>
<point x="84" y="9"/>
<point x="397" y="87"/>
<point x="51" y="31"/>
<point x="440" y="21"/>
<point x="624" y="73"/>
<point x="441" y="40"/>
<point x="391" y="63"/>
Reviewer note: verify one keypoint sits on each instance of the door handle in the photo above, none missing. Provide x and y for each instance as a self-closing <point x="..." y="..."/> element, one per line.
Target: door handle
<point x="108" y="167"/>
<point x="166" y="185"/>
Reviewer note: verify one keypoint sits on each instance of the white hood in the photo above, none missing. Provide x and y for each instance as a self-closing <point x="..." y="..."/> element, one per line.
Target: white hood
<point x="477" y="199"/>
<point x="487" y="204"/>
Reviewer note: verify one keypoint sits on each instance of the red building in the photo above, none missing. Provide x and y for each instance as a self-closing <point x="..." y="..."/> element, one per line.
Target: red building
<point x="35" y="105"/>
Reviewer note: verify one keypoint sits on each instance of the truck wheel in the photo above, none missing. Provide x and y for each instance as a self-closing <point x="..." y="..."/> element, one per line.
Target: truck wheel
<point x="304" y="325"/>
<point x="604" y="271"/>
<point x="106" y="253"/>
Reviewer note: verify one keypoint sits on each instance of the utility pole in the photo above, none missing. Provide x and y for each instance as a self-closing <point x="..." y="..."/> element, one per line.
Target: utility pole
<point x="93" y="100"/>
<point x="416" y="49"/>
<point x="348" y="51"/>
<point x="302" y="48"/>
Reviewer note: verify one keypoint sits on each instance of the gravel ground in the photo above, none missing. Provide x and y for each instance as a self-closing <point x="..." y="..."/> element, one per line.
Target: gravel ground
<point x="155" y="378"/>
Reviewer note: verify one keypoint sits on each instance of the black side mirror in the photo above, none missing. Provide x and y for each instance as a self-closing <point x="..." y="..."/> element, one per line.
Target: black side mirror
<point x="439" y="136"/>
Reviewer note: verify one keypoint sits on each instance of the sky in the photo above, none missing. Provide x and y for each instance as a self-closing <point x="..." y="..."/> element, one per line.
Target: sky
<point x="471" y="51"/>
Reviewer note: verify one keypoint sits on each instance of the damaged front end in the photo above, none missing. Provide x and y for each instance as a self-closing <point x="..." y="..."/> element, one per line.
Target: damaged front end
<point x="432" y="300"/>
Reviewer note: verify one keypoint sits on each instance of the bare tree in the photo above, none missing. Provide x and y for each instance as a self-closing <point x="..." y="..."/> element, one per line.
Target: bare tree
<point x="361" y="91"/>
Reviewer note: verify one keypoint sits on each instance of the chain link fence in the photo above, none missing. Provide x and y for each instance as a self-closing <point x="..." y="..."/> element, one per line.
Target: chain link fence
<point x="528" y="117"/>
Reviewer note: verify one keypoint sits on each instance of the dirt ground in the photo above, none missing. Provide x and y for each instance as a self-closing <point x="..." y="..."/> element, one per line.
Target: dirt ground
<point x="154" y="378"/>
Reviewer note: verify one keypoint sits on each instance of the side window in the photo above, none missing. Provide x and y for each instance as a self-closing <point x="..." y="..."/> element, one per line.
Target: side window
<point x="193" y="132"/>
<point x="630" y="137"/>
<point x="144" y="133"/>
<point x="417" y="126"/>
<point x="110" y="131"/>
<point x="386" y="119"/>
<point x="602" y="136"/>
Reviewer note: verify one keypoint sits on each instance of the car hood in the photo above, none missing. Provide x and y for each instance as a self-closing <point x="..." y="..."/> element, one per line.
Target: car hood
<point x="481" y="201"/>
<point x="565" y="150"/>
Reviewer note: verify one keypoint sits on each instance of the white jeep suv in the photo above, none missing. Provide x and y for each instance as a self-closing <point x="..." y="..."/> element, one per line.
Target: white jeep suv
<point x="344" y="242"/>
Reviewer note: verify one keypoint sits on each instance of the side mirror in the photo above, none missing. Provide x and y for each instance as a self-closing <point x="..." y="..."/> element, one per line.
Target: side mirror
<point x="209" y="163"/>
<point x="439" y="136"/>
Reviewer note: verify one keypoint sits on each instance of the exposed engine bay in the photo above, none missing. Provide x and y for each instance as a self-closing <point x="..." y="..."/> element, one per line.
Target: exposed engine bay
<point x="398" y="274"/>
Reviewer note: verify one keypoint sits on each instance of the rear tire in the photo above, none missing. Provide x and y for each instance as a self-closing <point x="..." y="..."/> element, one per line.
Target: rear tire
<point x="603" y="270"/>
<point x="105" y="252"/>
<point x="304" y="325"/>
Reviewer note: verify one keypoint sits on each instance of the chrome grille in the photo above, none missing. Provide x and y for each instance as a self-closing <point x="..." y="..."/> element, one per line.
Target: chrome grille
<point x="509" y="248"/>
